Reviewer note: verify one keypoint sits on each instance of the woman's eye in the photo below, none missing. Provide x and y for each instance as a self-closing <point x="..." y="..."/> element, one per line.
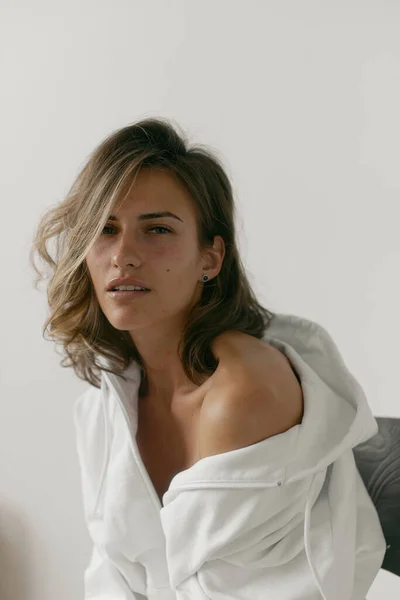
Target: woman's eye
<point x="160" y="227"/>
<point x="151" y="228"/>
<point x="107" y="227"/>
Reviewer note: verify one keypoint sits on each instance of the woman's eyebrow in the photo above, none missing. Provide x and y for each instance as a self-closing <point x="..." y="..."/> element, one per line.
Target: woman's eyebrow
<point x="153" y="215"/>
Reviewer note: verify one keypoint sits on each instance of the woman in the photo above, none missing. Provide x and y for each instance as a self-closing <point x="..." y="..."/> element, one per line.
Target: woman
<point x="216" y="439"/>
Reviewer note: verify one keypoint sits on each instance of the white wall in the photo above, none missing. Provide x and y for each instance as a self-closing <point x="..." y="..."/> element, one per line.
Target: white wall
<point x="301" y="99"/>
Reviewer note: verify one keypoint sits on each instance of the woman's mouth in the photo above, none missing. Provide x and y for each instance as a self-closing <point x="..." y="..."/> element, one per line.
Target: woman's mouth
<point x="127" y="294"/>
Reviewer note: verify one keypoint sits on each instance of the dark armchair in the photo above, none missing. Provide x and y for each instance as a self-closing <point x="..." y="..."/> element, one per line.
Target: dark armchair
<point x="378" y="462"/>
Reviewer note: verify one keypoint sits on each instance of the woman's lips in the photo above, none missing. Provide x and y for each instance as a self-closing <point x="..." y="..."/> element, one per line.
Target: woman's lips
<point x="127" y="294"/>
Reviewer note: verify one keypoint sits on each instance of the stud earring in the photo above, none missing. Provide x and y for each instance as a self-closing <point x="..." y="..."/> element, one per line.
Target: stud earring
<point x="205" y="277"/>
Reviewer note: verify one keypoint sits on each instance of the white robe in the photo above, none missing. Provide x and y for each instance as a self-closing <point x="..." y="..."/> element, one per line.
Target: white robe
<point x="287" y="518"/>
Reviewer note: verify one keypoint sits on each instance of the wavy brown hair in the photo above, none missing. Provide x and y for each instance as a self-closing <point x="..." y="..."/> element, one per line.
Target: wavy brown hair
<point x="76" y="321"/>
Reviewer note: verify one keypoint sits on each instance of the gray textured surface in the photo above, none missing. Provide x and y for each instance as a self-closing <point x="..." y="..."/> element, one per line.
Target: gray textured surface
<point x="378" y="461"/>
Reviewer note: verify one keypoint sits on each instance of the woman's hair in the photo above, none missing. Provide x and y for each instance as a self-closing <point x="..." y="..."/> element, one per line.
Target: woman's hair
<point x="76" y="319"/>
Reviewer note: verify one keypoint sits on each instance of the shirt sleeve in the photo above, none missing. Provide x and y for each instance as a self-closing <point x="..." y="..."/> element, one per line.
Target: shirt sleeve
<point x="232" y="534"/>
<point x="102" y="579"/>
<point x="238" y="527"/>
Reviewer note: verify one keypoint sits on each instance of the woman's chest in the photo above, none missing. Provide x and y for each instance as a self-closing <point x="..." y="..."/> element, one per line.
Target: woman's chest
<point x="167" y="443"/>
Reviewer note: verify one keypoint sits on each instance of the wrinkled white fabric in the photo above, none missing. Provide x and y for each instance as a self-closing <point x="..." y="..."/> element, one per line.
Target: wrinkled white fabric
<point x="287" y="518"/>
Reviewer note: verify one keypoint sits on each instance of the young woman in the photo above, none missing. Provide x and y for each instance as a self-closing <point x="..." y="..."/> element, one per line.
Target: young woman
<point x="216" y="438"/>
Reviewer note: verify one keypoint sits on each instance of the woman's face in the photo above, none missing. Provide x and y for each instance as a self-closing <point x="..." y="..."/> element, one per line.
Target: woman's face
<point x="162" y="252"/>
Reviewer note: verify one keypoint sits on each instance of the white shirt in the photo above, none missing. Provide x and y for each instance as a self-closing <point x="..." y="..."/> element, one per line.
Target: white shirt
<point x="287" y="518"/>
